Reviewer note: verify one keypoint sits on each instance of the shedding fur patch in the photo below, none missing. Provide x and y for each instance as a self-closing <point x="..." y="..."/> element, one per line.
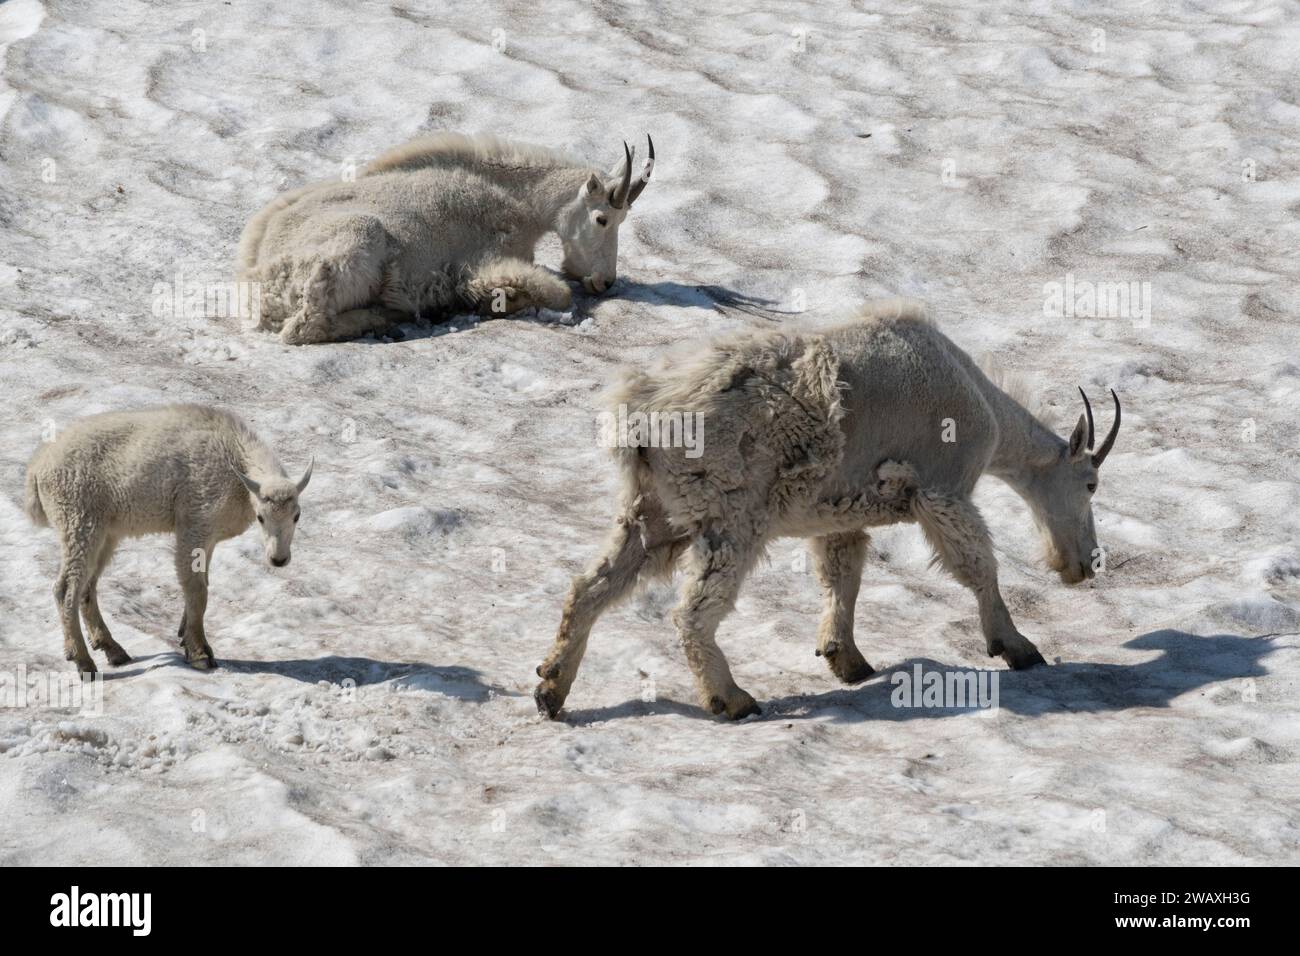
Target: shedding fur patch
<point x="770" y="407"/>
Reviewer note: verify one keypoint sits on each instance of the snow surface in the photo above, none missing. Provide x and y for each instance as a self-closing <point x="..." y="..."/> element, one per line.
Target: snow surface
<point x="374" y="703"/>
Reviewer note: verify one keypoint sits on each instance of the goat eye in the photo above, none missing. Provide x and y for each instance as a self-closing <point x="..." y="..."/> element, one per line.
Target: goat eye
<point x="1092" y="487"/>
<point x="261" y="520"/>
<point x="296" y="517"/>
<point x="602" y="221"/>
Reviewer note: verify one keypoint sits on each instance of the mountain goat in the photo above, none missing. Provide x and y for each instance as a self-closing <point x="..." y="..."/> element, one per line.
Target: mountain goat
<point x="792" y="426"/>
<point x="194" y="471"/>
<point x="446" y="222"/>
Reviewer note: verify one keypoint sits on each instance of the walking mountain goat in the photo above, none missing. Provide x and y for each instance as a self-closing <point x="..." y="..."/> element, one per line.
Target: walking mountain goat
<point x="444" y="223"/>
<point x="194" y="471"/>
<point x="794" y="428"/>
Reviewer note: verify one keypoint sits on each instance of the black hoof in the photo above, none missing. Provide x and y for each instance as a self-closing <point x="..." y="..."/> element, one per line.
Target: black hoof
<point x="548" y="702"/>
<point x="747" y="712"/>
<point x="858" y="674"/>
<point x="847" y="672"/>
<point x="1023" y="662"/>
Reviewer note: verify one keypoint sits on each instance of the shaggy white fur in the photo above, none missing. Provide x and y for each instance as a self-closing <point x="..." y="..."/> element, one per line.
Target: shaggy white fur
<point x="803" y="436"/>
<point x="446" y="222"/>
<point x="194" y="471"/>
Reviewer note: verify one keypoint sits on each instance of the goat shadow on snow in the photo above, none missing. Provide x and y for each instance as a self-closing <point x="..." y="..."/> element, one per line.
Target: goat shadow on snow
<point x="1187" y="662"/>
<point x="464" y="683"/>
<point x="683" y="295"/>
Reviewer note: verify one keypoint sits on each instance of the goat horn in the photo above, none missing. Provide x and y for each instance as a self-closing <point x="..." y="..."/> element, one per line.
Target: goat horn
<point x="618" y="198"/>
<point x="1088" y="408"/>
<point x="248" y="483"/>
<point x="1104" y="450"/>
<point x="645" y="173"/>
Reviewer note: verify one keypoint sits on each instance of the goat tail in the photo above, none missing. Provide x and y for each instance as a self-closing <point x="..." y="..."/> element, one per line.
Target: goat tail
<point x="32" y="502"/>
<point x="631" y="391"/>
<point x="630" y="465"/>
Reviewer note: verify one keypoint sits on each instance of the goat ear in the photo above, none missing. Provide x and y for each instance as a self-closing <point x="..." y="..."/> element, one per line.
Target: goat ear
<point x="249" y="483"/>
<point x="594" y="185"/>
<point x="1079" y="439"/>
<point x="306" y="476"/>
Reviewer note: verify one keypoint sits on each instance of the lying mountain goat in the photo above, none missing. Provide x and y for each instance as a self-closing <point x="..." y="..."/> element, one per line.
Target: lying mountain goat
<point x="444" y="223"/>
<point x="794" y="425"/>
<point x="194" y="471"/>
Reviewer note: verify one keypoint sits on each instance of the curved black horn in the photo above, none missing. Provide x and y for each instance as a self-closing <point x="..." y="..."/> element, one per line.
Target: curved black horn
<point x="1087" y="407"/>
<point x="645" y="173"/>
<point x="1104" y="450"/>
<point x="618" y="198"/>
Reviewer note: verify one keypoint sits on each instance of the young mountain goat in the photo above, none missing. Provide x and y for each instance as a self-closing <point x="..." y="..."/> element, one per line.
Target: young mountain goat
<point x="194" y="471"/>
<point x="793" y="427"/>
<point x="446" y="222"/>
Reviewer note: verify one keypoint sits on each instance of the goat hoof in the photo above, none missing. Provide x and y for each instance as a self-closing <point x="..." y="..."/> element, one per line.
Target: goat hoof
<point x="740" y="706"/>
<point x="203" y="663"/>
<point x="1024" y="659"/>
<point x="858" y="673"/>
<point x="549" y="700"/>
<point x="850" y="668"/>
<point x="118" y="657"/>
<point x="86" y="666"/>
<point x="114" y="653"/>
